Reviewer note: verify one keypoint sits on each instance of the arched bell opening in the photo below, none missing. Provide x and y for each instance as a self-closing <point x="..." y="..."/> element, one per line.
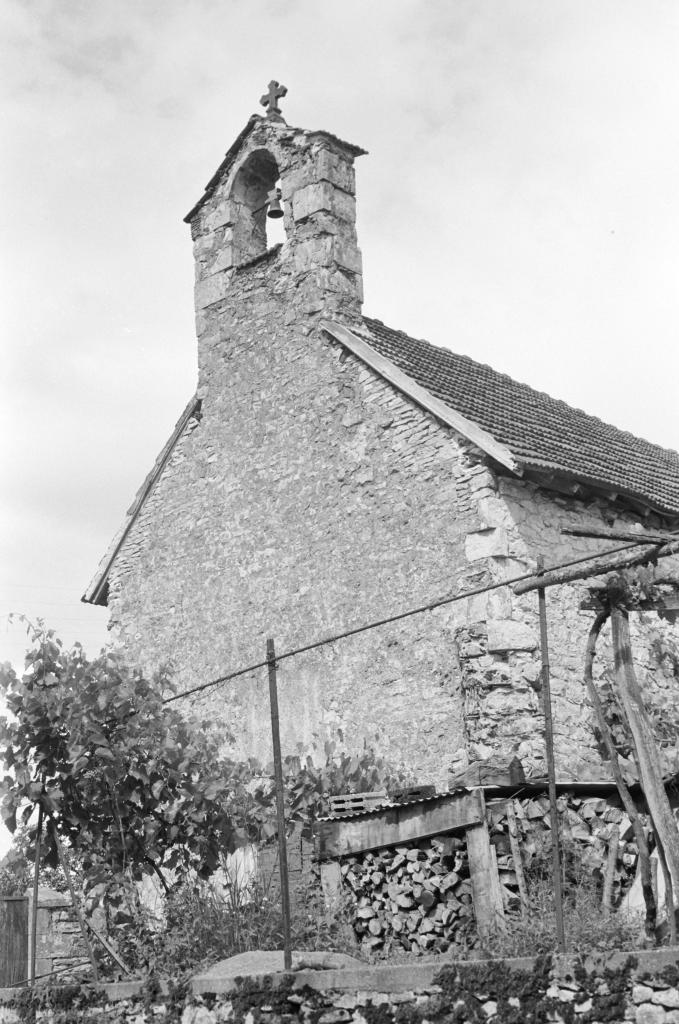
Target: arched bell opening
<point x="254" y="193"/>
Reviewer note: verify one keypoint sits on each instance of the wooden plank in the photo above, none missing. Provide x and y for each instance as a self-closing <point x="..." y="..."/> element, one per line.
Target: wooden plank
<point x="392" y="826"/>
<point x="389" y="371"/>
<point x="331" y="885"/>
<point x="516" y="856"/>
<point x="13" y="940"/>
<point x="486" y="892"/>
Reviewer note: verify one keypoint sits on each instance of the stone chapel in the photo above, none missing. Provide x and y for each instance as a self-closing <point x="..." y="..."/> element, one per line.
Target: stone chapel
<point x="330" y="471"/>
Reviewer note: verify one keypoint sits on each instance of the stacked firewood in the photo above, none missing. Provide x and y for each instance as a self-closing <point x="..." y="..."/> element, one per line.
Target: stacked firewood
<point x="417" y="897"/>
<point x="596" y="838"/>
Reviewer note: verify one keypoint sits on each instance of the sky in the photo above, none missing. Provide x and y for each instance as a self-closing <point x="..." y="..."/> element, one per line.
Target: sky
<point x="519" y="204"/>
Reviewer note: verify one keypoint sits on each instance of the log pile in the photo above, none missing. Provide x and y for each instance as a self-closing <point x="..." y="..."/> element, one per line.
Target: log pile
<point x="417" y="897"/>
<point x="596" y="836"/>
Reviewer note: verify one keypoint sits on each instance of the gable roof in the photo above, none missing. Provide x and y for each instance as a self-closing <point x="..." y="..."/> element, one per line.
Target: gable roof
<point x="541" y="432"/>
<point x="515" y="425"/>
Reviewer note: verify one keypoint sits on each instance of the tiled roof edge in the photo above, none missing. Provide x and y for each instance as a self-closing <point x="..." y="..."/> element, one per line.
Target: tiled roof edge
<point x="96" y="591"/>
<point x="390" y="372"/>
<point x="544" y="466"/>
<point x="561" y="403"/>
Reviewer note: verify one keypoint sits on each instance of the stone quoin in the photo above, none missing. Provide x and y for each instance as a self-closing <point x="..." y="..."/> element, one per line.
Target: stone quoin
<point x="330" y="471"/>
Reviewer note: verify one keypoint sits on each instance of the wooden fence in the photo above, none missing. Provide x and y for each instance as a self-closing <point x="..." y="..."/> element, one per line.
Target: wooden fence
<point x="13" y="940"/>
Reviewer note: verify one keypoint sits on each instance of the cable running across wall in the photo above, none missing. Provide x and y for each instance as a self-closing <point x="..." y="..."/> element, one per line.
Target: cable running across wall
<point x="474" y="592"/>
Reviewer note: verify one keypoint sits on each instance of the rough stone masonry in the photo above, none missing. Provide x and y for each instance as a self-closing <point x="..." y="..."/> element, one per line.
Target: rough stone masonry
<point x="304" y="494"/>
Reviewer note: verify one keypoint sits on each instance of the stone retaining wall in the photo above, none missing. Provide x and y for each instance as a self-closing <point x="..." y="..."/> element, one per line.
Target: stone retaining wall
<point x="59" y="945"/>
<point x="642" y="988"/>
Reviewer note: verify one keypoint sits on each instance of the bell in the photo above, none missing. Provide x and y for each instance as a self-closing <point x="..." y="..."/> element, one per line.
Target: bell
<point x="275" y="209"/>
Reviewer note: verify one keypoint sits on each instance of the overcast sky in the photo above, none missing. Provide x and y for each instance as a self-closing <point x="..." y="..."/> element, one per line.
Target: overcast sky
<point x="518" y="204"/>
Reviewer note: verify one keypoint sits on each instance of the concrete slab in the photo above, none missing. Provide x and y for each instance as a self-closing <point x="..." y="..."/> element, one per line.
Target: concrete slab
<point x="261" y="963"/>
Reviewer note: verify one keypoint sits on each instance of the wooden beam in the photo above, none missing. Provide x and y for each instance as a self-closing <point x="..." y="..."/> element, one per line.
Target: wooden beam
<point x="390" y="372"/>
<point x="598" y="566"/>
<point x="393" y="826"/>
<point x="611" y="533"/>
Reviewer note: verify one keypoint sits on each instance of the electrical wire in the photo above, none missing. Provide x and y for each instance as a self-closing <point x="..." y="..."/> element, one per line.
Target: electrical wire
<point x="474" y="592"/>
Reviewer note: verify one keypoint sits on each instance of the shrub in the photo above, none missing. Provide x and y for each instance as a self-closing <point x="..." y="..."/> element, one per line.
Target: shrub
<point x="202" y="925"/>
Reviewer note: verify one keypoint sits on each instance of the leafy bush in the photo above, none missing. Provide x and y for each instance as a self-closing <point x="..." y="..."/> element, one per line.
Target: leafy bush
<point x="130" y="787"/>
<point x="125" y="781"/>
<point x="308" y="787"/>
<point x="201" y="924"/>
<point x="13" y="882"/>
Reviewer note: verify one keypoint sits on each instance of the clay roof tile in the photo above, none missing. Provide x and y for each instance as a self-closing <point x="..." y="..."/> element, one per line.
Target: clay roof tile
<point x="542" y="432"/>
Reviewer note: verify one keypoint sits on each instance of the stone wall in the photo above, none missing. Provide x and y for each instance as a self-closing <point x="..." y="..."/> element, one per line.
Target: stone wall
<point x="59" y="944"/>
<point x="611" y="988"/>
<point x="498" y="645"/>
<point x="312" y="497"/>
<point x="309" y="498"/>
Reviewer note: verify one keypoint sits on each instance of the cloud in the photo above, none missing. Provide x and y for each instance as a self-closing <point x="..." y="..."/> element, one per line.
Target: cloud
<point x="519" y="204"/>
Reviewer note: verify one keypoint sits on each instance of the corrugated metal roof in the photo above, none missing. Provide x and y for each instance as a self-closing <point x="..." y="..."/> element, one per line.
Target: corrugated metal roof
<point x="379" y="808"/>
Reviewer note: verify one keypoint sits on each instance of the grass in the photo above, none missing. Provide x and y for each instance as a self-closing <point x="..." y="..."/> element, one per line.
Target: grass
<point x="587" y="927"/>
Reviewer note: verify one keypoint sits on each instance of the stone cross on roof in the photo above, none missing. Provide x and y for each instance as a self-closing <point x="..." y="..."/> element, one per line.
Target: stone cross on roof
<point x="271" y="97"/>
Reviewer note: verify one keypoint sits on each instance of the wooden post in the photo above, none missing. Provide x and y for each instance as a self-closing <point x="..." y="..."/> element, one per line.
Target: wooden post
<point x="646" y="750"/>
<point x="34" y="908"/>
<point x="109" y="949"/>
<point x="486" y="895"/>
<point x="669" y="896"/>
<point x="609" y="874"/>
<point x="76" y="904"/>
<point x="280" y="805"/>
<point x="516" y="857"/>
<point x="331" y="885"/>
<point x="625" y="795"/>
<point x="551" y="775"/>
<point x="489" y="909"/>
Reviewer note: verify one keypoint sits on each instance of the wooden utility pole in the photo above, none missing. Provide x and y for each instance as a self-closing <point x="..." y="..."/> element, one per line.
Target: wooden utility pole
<point x="280" y="805"/>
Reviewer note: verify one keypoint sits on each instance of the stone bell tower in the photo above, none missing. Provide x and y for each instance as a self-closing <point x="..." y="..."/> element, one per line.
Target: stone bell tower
<point x="318" y="268"/>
